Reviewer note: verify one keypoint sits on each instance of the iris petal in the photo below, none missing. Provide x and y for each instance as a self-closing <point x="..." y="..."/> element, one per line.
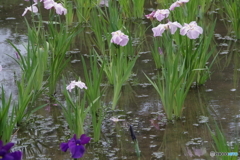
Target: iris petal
<point x="64" y="147"/>
<point x="77" y="151"/>
<point x="8" y="146"/>
<point x="76" y="146"/>
<point x="84" y="139"/>
<point x="8" y="157"/>
<point x="16" y="155"/>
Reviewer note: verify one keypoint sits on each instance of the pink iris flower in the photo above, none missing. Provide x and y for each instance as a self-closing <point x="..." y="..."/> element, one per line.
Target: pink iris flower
<point x="48" y="4"/>
<point x="80" y="84"/>
<point x="73" y="84"/>
<point x="172" y="26"/>
<point x="150" y="16"/>
<point x="60" y="9"/>
<point x="160" y="14"/>
<point x="192" y="30"/>
<point x="119" y="38"/>
<point x="32" y="8"/>
<point x="177" y="4"/>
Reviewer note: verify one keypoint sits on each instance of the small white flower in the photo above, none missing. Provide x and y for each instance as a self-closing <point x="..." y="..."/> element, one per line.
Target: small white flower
<point x="73" y="84"/>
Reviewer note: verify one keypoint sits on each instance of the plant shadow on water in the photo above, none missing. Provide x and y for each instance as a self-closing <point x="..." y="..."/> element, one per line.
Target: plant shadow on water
<point x="138" y="106"/>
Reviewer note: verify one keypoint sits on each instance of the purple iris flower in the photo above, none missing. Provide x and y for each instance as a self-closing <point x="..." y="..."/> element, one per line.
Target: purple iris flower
<point x="5" y="152"/>
<point x="76" y="146"/>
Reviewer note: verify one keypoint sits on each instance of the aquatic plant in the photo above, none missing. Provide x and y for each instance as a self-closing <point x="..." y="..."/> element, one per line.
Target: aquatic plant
<point x="184" y="58"/>
<point x="236" y="74"/>
<point x="156" y="48"/>
<point x="108" y="21"/>
<point x="26" y="96"/>
<point x="118" y="67"/>
<point x="138" y="8"/>
<point x="74" y="110"/>
<point x="70" y="12"/>
<point x="33" y="65"/>
<point x="99" y="27"/>
<point x="132" y="8"/>
<point x="157" y="52"/>
<point x="198" y="51"/>
<point x="172" y="83"/>
<point x="118" y="71"/>
<point x="83" y="9"/>
<point x="189" y="50"/>
<point x="5" y="153"/>
<point x="7" y="117"/>
<point x="117" y="61"/>
<point x="59" y="43"/>
<point x="231" y="13"/>
<point x="31" y="85"/>
<point x="76" y="146"/>
<point x="93" y="77"/>
<point x="55" y="39"/>
<point x="176" y="77"/>
<point x="221" y="145"/>
<point x="182" y="62"/>
<point x="36" y="59"/>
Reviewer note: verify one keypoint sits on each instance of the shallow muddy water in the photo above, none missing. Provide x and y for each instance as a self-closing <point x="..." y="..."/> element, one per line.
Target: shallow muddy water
<point x="139" y="105"/>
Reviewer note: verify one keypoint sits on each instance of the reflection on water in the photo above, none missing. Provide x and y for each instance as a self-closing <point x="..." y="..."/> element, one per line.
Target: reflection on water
<point x="11" y="28"/>
<point x="10" y="69"/>
<point x="139" y="106"/>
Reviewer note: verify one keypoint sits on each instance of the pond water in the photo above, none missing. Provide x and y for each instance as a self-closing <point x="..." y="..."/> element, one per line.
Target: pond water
<point x="139" y="105"/>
